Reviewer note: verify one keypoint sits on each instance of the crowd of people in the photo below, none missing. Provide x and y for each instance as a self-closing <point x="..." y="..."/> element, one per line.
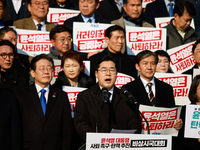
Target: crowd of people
<point x="36" y="115"/>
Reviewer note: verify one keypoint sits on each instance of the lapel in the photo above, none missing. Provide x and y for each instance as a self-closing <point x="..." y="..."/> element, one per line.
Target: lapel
<point x="79" y="18"/>
<point x="163" y="8"/>
<point x="30" y="24"/>
<point x="116" y="98"/>
<point x="112" y="3"/>
<point x="3" y="99"/>
<point x="142" y="92"/>
<point x="158" y="89"/>
<point x="22" y="8"/>
<point x="51" y="100"/>
<point x="35" y="100"/>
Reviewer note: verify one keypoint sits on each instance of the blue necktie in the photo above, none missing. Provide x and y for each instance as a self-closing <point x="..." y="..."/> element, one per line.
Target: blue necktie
<point x="43" y="100"/>
<point x="171" y="11"/>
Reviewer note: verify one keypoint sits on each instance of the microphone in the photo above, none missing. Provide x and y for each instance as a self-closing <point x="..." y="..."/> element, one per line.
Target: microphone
<point x="133" y="100"/>
<point x="105" y="94"/>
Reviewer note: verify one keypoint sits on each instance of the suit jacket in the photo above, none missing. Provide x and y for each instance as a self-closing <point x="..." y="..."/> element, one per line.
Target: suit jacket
<point x="119" y="116"/>
<point x="164" y="93"/>
<point x="126" y="66"/>
<point x="10" y="15"/>
<point x="52" y="131"/>
<point x="10" y="122"/>
<point x="109" y="10"/>
<point x="69" y="4"/>
<point x="28" y="23"/>
<point x="156" y="9"/>
<point x="69" y="22"/>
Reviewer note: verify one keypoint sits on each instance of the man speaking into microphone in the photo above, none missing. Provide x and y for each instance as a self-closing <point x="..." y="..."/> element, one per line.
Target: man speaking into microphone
<point x="93" y="113"/>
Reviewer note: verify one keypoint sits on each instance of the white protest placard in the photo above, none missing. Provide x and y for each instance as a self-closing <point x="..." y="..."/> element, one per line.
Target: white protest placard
<point x="196" y="72"/>
<point x="59" y="15"/>
<point x="122" y="79"/>
<point x="145" y="2"/>
<point x="72" y="93"/>
<point x="160" y="119"/>
<point x="181" y="58"/>
<point x="140" y="38"/>
<point x="181" y="86"/>
<point x="58" y="68"/>
<point x="164" y="21"/>
<point x="192" y="121"/>
<point x="88" y="37"/>
<point x="33" y="42"/>
<point x="113" y="141"/>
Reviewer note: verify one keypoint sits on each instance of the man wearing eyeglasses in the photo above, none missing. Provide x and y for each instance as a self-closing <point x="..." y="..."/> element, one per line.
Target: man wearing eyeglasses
<point x="39" y="10"/>
<point x="12" y="76"/>
<point x="115" y="112"/>
<point x="45" y="110"/>
<point x="115" y="38"/>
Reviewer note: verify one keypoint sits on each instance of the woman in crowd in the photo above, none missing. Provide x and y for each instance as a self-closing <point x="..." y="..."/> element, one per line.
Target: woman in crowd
<point x="163" y="62"/>
<point x="72" y="63"/>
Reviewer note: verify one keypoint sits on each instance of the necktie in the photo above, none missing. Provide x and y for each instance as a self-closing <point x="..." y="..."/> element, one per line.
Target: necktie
<point x="171" y="11"/>
<point x="39" y="26"/>
<point x="43" y="100"/>
<point x="120" y="6"/>
<point x="89" y="20"/>
<point x="109" y="94"/>
<point x="151" y="96"/>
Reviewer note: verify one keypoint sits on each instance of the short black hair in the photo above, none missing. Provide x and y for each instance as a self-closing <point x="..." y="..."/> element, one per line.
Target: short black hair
<point x="195" y="45"/>
<point x="4" y="3"/>
<point x="4" y="30"/>
<point x="163" y="54"/>
<point x="105" y="58"/>
<point x="126" y="1"/>
<point x="97" y="1"/>
<point x="39" y="57"/>
<point x="7" y="43"/>
<point x="145" y="54"/>
<point x="182" y="6"/>
<point x="193" y="89"/>
<point x="113" y="28"/>
<point x="29" y="1"/>
<point x="58" y="29"/>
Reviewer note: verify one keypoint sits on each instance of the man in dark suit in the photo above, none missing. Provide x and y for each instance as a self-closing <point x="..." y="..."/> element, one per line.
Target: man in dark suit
<point x="66" y="4"/>
<point x="45" y="110"/>
<point x="116" y="113"/>
<point x="109" y="9"/>
<point x="87" y="14"/>
<point x="11" y="14"/>
<point x="39" y="10"/>
<point x="196" y="56"/>
<point x="115" y="38"/>
<point x="158" y="8"/>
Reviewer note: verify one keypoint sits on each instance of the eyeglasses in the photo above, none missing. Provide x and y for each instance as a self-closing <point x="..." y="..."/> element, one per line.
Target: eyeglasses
<point x="45" y="3"/>
<point x="4" y="55"/>
<point x="89" y="1"/>
<point x="67" y="39"/>
<point x="104" y="71"/>
<point x="42" y="69"/>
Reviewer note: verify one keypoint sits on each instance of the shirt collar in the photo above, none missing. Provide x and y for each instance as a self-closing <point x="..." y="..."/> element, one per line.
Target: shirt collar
<point x="111" y="90"/>
<point x="36" y="23"/>
<point x="85" y="18"/>
<point x="121" y="1"/>
<point x="145" y="82"/>
<point x="167" y="2"/>
<point x="38" y="88"/>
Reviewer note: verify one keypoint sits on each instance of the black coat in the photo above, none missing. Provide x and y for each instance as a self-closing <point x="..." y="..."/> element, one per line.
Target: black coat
<point x="69" y="22"/>
<point x="126" y="66"/>
<point x="119" y="116"/>
<point x="10" y="122"/>
<point x="69" y="4"/>
<point x="52" y="131"/>
<point x="108" y="9"/>
<point x="83" y="80"/>
<point x="190" y="71"/>
<point x="10" y="15"/>
<point x="164" y="93"/>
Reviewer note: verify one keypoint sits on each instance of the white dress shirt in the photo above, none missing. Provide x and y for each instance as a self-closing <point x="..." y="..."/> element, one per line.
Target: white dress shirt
<point x="43" y="28"/>
<point x="17" y="5"/>
<point x="153" y="88"/>
<point x="46" y="94"/>
<point x="85" y="19"/>
<point x="167" y="2"/>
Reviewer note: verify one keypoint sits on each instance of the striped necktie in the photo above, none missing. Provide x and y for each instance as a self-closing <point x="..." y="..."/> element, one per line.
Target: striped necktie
<point x="151" y="95"/>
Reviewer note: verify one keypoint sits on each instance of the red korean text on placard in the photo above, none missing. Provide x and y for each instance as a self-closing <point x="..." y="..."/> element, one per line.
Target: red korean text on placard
<point x="34" y="38"/>
<point x="160" y="119"/>
<point x="92" y="34"/>
<point x="143" y="36"/>
<point x="115" y="140"/>
<point x="36" y="47"/>
<point x="61" y="17"/>
<point x="154" y="45"/>
<point x="57" y="69"/>
<point x="121" y="80"/>
<point x="163" y="24"/>
<point x="92" y="44"/>
<point x="144" y="1"/>
<point x="72" y="99"/>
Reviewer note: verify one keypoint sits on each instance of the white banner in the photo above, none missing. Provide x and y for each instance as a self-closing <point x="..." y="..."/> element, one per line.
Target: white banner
<point x="192" y="123"/>
<point x="181" y="86"/>
<point x="113" y="141"/>
<point x="72" y="93"/>
<point x="88" y="37"/>
<point x="140" y="38"/>
<point x="33" y="42"/>
<point x="164" y="21"/>
<point x="59" y="15"/>
<point x="160" y="119"/>
<point x="145" y="2"/>
<point x="181" y="58"/>
<point x="122" y="79"/>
